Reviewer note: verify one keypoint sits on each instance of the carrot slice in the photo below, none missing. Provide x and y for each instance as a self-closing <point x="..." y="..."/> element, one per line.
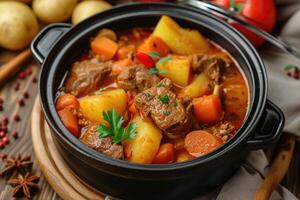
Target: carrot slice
<point x="199" y="143"/>
<point x="208" y="109"/>
<point x="133" y="109"/>
<point x="154" y="44"/>
<point x="70" y="121"/>
<point x="165" y="154"/>
<point x="104" y="47"/>
<point x="124" y="51"/>
<point x="67" y="101"/>
<point x="119" y="65"/>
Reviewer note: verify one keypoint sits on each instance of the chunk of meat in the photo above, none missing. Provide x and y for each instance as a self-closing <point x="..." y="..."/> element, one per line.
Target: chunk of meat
<point x="212" y="66"/>
<point x="86" y="76"/>
<point x="165" y="109"/>
<point x="103" y="145"/>
<point x="224" y="130"/>
<point x="136" y="78"/>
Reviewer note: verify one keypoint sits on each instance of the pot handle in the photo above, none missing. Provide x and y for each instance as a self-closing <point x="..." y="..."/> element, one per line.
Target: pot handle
<point x="269" y="129"/>
<point x="45" y="40"/>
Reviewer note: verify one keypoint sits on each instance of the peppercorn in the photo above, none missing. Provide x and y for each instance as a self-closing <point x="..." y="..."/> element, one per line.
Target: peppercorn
<point x="26" y="95"/>
<point x="28" y="70"/>
<point x="5" y="140"/>
<point x="2" y="134"/>
<point x="5" y="120"/>
<point x="21" y="102"/>
<point x="15" y="134"/>
<point x="2" y="145"/>
<point x="34" y="80"/>
<point x="17" y="86"/>
<point x="22" y="75"/>
<point x="3" y="156"/>
<point x="17" y="118"/>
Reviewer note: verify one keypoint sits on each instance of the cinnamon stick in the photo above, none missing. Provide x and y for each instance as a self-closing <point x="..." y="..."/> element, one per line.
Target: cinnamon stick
<point x="9" y="69"/>
<point x="278" y="168"/>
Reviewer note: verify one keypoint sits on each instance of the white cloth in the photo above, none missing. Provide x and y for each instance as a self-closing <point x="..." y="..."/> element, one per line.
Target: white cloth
<point x="284" y="91"/>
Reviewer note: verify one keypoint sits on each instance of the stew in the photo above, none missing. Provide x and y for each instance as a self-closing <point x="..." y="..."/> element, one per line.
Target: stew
<point x="153" y="95"/>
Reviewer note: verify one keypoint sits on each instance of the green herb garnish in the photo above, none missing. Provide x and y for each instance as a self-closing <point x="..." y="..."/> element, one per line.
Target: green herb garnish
<point x="99" y="92"/>
<point x="153" y="70"/>
<point x="165" y="99"/>
<point x="289" y="67"/>
<point x="115" y="122"/>
<point x="164" y="59"/>
<point x="161" y="85"/>
<point x="154" y="54"/>
<point x="175" y="104"/>
<point x="166" y="112"/>
<point x="148" y="95"/>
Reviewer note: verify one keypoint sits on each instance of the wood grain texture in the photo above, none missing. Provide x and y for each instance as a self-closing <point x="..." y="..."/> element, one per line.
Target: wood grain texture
<point x="24" y="144"/>
<point x="54" y="168"/>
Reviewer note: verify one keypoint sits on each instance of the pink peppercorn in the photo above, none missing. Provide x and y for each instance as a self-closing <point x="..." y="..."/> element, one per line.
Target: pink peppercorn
<point x="2" y="134"/>
<point x="5" y="140"/>
<point x="17" y="118"/>
<point x="15" y="134"/>
<point x="26" y="95"/>
<point x="22" y="74"/>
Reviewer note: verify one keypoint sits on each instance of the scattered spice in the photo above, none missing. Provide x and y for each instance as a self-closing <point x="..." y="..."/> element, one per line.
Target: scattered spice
<point x="17" y="118"/>
<point x="23" y="186"/>
<point x="17" y="86"/>
<point x="22" y="75"/>
<point x="1" y="101"/>
<point x="34" y="80"/>
<point x="13" y="166"/>
<point x="26" y="95"/>
<point x="28" y="70"/>
<point x="5" y="140"/>
<point x="21" y="102"/>
<point x="2" y="134"/>
<point x="1" y="145"/>
<point x="3" y="156"/>
<point x="15" y="134"/>
<point x="1" y="108"/>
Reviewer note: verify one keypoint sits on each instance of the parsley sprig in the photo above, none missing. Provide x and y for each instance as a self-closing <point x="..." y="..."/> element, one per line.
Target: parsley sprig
<point x="115" y="122"/>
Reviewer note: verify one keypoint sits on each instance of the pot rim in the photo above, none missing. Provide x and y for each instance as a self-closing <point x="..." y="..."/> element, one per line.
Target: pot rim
<point x="259" y="94"/>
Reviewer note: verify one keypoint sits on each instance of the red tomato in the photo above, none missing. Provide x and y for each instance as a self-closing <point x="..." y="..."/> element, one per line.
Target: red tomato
<point x="261" y="12"/>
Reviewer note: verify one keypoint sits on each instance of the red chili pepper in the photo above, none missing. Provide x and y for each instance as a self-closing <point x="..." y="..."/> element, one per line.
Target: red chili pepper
<point x="145" y="59"/>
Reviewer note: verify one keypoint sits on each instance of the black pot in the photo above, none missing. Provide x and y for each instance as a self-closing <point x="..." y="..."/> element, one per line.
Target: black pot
<point x="58" y="45"/>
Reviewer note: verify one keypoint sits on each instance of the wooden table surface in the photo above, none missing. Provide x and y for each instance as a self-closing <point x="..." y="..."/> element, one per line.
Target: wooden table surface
<point x="23" y="144"/>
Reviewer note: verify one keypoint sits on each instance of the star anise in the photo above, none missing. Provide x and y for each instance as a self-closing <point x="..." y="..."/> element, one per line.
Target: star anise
<point x="23" y="186"/>
<point x="18" y="165"/>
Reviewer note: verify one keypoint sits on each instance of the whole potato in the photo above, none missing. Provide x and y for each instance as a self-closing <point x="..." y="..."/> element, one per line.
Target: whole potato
<point x="18" y="25"/>
<point x="23" y="1"/>
<point x="53" y="10"/>
<point x="86" y="9"/>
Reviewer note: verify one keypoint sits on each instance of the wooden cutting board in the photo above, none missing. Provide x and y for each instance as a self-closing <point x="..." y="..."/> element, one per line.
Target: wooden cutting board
<point x="56" y="171"/>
